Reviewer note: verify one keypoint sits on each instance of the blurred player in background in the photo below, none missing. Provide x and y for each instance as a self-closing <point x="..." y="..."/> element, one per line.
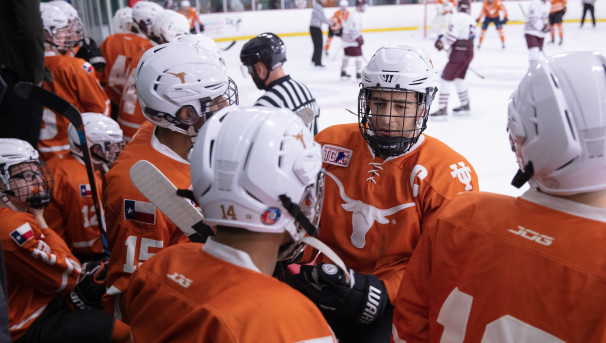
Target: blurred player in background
<point x="491" y="10"/>
<point x="264" y="57"/>
<point x="71" y="213"/>
<point x="458" y="40"/>
<point x="536" y="28"/>
<point x="444" y="10"/>
<point x="558" y="9"/>
<point x="353" y="40"/>
<point x="73" y="80"/>
<point x="193" y="17"/>
<point x="337" y="19"/>
<point x="384" y="177"/>
<point x="494" y="268"/>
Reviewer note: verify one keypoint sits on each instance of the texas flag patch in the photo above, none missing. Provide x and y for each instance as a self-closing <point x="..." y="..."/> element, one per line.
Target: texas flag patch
<point x="336" y="155"/>
<point x="22" y="234"/>
<point x="85" y="191"/>
<point x="144" y="212"/>
<point x="88" y="67"/>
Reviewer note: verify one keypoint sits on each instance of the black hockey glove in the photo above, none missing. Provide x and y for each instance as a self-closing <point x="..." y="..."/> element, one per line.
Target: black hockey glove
<point x="439" y="45"/>
<point x="363" y="299"/>
<point x="504" y="21"/>
<point x="90" y="52"/>
<point x="91" y="285"/>
<point x="564" y="10"/>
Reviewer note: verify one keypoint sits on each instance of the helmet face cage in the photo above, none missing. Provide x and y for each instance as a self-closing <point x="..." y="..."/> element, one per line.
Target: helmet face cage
<point x="30" y="182"/>
<point x="391" y="121"/>
<point x="188" y="116"/>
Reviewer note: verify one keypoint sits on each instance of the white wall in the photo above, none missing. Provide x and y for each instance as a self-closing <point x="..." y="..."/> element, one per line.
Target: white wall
<point x="244" y="25"/>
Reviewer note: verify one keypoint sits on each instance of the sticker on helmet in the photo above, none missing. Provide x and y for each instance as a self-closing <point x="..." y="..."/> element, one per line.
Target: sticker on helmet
<point x="270" y="216"/>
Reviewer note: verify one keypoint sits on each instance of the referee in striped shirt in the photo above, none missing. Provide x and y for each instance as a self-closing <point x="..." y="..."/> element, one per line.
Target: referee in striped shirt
<point x="264" y="56"/>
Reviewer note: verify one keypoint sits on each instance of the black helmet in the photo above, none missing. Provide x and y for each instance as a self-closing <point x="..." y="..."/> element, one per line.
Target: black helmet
<point x="266" y="48"/>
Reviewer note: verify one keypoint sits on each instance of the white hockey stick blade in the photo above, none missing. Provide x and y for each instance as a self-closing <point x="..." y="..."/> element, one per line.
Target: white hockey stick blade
<point x="150" y="181"/>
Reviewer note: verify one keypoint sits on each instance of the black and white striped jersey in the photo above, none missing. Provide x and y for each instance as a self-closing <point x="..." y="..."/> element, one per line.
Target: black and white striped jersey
<point x="286" y="92"/>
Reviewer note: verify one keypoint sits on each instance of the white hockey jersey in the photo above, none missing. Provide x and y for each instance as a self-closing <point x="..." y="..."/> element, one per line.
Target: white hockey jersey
<point x="461" y="27"/>
<point x="537" y="14"/>
<point x="352" y="29"/>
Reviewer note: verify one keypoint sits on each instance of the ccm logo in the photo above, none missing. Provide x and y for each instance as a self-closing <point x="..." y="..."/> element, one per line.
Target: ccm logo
<point x="533" y="236"/>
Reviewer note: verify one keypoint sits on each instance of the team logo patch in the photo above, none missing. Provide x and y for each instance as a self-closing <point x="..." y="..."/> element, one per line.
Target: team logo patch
<point x="87" y="67"/>
<point x="336" y="155"/>
<point x="22" y="234"/>
<point x="85" y="191"/>
<point x="270" y="216"/>
<point x="144" y="212"/>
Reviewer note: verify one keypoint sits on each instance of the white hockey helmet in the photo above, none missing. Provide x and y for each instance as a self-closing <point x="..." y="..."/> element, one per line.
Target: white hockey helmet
<point x="143" y="15"/>
<point x="104" y="138"/>
<point x="123" y="20"/>
<point x="57" y="27"/>
<point x="179" y="83"/>
<point x="72" y="17"/>
<point x="343" y="3"/>
<point x="19" y="161"/>
<point x="557" y="124"/>
<point x="185" y="4"/>
<point x="168" y="25"/>
<point x="396" y="68"/>
<point x="254" y="168"/>
<point x="204" y="42"/>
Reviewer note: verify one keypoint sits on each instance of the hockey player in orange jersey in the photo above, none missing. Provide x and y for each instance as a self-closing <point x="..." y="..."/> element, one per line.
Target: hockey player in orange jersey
<point x="172" y="87"/>
<point x="384" y="178"/>
<point x="558" y="9"/>
<point x="73" y="80"/>
<point x="40" y="269"/>
<point x="120" y="48"/>
<point x="223" y="291"/>
<point x="494" y="268"/>
<point x="491" y="10"/>
<point x="166" y="27"/>
<point x="192" y="16"/>
<point x="71" y="213"/>
<point x="337" y="19"/>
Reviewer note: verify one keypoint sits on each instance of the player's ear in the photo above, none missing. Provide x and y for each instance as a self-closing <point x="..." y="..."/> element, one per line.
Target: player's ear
<point x="260" y="70"/>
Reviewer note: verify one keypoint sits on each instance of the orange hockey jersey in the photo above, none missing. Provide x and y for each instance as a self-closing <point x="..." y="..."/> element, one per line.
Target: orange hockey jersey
<point x="373" y="208"/>
<point x="338" y="19"/>
<point x="71" y="212"/>
<point x="492" y="11"/>
<point x="214" y="293"/>
<point x="192" y="17"/>
<point x="74" y="81"/>
<point x="493" y="268"/>
<point x="130" y="116"/>
<point x="39" y="267"/>
<point x="119" y="50"/>
<point x="136" y="230"/>
<point x="557" y="5"/>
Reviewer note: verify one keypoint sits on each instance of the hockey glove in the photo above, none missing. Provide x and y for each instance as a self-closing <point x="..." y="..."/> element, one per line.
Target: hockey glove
<point x="363" y="299"/>
<point x="90" y="52"/>
<point x="91" y="285"/>
<point x="360" y="41"/>
<point x="563" y="10"/>
<point x="504" y="21"/>
<point x="439" y="45"/>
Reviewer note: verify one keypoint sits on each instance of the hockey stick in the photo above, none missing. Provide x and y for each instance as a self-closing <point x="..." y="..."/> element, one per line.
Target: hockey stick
<point x="475" y="72"/>
<point x="30" y="91"/>
<point x="229" y="46"/>
<point x="150" y="181"/>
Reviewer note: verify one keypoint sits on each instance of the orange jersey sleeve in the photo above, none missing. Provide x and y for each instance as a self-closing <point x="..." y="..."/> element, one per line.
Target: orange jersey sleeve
<point x="71" y="212"/>
<point x="185" y="294"/>
<point x="73" y="80"/>
<point x="497" y="268"/>
<point x="192" y="17"/>
<point x="557" y="5"/>
<point x="130" y="116"/>
<point x="118" y="50"/>
<point x="136" y="230"/>
<point x="373" y="208"/>
<point x="338" y="18"/>
<point x="39" y="266"/>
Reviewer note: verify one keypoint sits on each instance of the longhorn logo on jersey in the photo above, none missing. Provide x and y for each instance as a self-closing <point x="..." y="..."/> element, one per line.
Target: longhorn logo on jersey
<point x="463" y="173"/>
<point x="364" y="216"/>
<point x="336" y="155"/>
